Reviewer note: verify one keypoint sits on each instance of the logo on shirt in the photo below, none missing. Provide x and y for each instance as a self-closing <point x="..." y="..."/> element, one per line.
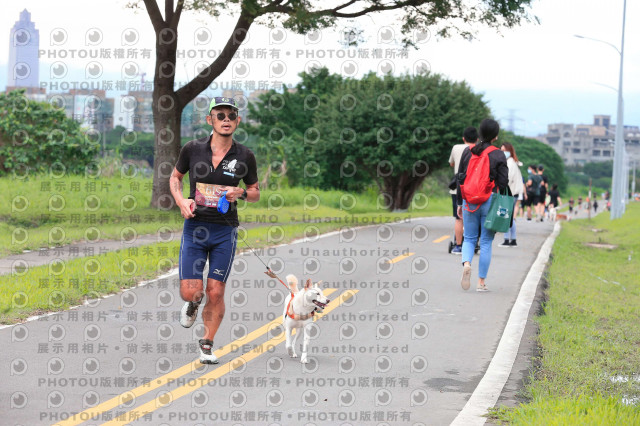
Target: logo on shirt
<point x="229" y="165"/>
<point x="218" y="271"/>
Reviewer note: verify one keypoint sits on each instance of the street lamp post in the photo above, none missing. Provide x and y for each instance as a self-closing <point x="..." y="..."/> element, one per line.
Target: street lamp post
<point x="617" y="189"/>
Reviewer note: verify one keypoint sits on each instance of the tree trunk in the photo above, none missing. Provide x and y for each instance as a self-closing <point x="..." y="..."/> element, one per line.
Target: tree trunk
<point x="400" y="189"/>
<point x="167" y="112"/>
<point x="168" y="103"/>
<point x="166" y="123"/>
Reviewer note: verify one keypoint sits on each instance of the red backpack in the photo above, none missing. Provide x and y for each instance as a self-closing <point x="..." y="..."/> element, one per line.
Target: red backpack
<point x="477" y="186"/>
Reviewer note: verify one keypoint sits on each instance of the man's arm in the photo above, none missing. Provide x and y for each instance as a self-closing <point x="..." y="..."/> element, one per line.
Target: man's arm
<point x="175" y="185"/>
<point x="253" y="193"/>
<point x="235" y="192"/>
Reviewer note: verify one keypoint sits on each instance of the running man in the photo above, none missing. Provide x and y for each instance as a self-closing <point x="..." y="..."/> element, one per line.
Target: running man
<point x="215" y="164"/>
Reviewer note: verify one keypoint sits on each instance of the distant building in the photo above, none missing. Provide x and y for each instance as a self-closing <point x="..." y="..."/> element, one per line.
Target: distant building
<point x="91" y="108"/>
<point x="194" y="117"/>
<point x="24" y="42"/>
<point x="137" y="108"/>
<point x="586" y="143"/>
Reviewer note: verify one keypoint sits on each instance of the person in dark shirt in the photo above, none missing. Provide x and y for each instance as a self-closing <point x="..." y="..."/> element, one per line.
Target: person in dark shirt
<point x="533" y="190"/>
<point x="216" y="164"/>
<point x="473" y="216"/>
<point x="544" y="186"/>
<point x="554" y="196"/>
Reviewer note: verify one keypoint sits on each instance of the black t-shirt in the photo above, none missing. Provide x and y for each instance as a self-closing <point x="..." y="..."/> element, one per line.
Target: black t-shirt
<point x="238" y="164"/>
<point x="543" y="188"/>
<point x="553" y="197"/>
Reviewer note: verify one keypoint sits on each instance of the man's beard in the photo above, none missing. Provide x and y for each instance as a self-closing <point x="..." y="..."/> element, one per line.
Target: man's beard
<point x="223" y="134"/>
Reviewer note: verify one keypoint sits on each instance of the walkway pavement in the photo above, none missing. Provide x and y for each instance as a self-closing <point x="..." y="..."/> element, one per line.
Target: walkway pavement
<point x="30" y="259"/>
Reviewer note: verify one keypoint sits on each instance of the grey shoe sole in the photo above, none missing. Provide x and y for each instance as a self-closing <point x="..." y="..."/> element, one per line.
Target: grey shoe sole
<point x="465" y="282"/>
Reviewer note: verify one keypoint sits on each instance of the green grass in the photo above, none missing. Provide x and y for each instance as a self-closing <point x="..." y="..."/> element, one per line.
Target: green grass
<point x="56" y="287"/>
<point x="576" y="191"/>
<point x="31" y="218"/>
<point x="60" y="211"/>
<point x="589" y="332"/>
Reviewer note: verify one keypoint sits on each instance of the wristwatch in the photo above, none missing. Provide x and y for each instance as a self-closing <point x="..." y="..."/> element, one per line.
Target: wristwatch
<point x="244" y="194"/>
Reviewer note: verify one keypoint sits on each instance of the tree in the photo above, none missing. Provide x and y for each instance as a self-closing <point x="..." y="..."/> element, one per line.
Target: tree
<point x="531" y="151"/>
<point x="596" y="170"/>
<point x="445" y="16"/>
<point x="36" y="136"/>
<point x="283" y="121"/>
<point x="395" y="129"/>
<point x="598" y="174"/>
<point x="130" y="145"/>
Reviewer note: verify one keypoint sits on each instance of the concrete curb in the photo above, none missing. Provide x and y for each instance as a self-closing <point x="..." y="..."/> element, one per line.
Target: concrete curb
<point x="490" y="387"/>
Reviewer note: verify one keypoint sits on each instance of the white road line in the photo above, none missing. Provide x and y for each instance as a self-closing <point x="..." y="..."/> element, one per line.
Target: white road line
<point x="488" y="390"/>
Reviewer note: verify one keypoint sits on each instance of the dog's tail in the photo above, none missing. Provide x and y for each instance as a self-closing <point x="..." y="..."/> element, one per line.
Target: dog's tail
<point x="293" y="283"/>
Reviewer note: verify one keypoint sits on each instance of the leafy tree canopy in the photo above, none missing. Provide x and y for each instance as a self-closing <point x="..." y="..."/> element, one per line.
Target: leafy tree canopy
<point x="35" y="136"/>
<point x="394" y="129"/>
<point x="442" y="17"/>
<point x="532" y="151"/>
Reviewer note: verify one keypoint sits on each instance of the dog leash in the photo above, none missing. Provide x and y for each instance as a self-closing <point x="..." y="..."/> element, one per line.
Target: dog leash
<point x="269" y="272"/>
<point x="223" y="208"/>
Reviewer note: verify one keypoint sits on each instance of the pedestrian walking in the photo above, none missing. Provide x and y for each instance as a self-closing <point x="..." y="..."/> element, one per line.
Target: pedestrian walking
<point x="544" y="188"/>
<point x="483" y="171"/>
<point x="595" y="206"/>
<point x="516" y="186"/>
<point x="554" y="197"/>
<point x="532" y="191"/>
<point x="216" y="164"/>
<point x="469" y="139"/>
<point x="571" y="204"/>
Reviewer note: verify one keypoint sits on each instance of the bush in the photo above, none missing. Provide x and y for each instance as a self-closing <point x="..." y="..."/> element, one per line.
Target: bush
<point x="35" y="137"/>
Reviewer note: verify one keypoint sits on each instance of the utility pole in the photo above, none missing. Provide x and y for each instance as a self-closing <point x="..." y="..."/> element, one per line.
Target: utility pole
<point x="589" y="202"/>
<point x="633" y="181"/>
<point x="617" y="196"/>
<point x="618" y="185"/>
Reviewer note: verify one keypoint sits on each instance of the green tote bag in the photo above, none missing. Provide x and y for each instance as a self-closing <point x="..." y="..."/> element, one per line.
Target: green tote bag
<point x="500" y="212"/>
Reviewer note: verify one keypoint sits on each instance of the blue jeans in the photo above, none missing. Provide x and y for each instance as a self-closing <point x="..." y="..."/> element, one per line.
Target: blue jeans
<point x="511" y="234"/>
<point x="474" y="225"/>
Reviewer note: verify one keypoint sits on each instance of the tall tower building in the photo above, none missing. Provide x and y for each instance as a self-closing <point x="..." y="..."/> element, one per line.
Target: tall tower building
<point x="24" y="42"/>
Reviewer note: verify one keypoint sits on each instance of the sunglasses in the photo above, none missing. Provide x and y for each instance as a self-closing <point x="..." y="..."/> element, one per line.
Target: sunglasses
<point x="221" y="116"/>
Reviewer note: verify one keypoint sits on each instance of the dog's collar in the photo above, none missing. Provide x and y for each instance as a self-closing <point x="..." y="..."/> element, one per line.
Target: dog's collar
<point x="294" y="316"/>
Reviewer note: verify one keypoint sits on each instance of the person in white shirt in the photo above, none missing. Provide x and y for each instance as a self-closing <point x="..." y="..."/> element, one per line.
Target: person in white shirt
<point x="469" y="137"/>
<point x="516" y="185"/>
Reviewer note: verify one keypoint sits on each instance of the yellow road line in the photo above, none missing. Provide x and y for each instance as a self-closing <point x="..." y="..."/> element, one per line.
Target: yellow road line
<point x="399" y="258"/>
<point x="114" y="402"/>
<point x="192" y="385"/>
<point x="441" y="239"/>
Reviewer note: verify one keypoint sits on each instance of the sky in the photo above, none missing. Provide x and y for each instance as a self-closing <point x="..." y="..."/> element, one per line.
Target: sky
<point x="536" y="74"/>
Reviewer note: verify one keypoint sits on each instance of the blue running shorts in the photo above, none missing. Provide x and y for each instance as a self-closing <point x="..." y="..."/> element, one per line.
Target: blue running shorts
<point x="202" y="240"/>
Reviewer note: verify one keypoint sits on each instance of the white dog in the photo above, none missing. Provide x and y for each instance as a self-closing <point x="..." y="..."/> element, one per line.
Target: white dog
<point x="299" y="308"/>
<point x="553" y="213"/>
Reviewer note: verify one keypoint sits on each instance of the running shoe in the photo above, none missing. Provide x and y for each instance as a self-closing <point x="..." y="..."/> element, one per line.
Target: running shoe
<point x="206" y="352"/>
<point x="188" y="314"/>
<point x="505" y="243"/>
<point x="456" y="250"/>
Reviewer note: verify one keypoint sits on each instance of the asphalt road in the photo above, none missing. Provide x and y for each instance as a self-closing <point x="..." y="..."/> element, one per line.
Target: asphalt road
<point x="400" y="343"/>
